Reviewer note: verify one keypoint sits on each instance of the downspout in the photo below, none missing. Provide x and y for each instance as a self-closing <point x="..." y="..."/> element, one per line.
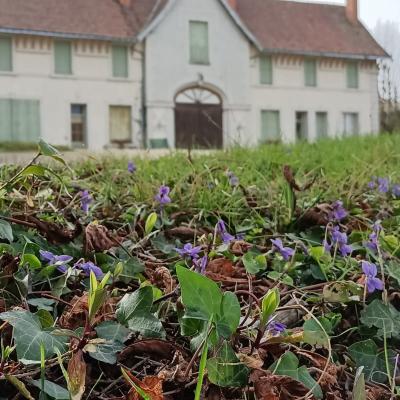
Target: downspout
<point x="144" y="98"/>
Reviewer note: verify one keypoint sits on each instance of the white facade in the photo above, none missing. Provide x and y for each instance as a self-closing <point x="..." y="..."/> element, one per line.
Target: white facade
<point x="160" y="68"/>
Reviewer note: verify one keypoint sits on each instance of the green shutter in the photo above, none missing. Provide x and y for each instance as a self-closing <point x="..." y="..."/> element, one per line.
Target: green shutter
<point x="310" y="72"/>
<point x="270" y="126"/>
<point x="266" y="70"/>
<point x="25" y="120"/>
<point x="62" y="58"/>
<point x="322" y="124"/>
<point x="5" y="54"/>
<point x="120" y="61"/>
<point x="352" y="75"/>
<point x="5" y="120"/>
<point x="199" y="52"/>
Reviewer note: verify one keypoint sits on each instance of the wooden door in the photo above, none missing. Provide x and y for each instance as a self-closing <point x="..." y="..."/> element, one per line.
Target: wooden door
<point x="198" y="126"/>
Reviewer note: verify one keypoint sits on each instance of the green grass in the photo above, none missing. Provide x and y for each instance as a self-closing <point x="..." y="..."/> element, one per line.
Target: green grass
<point x="21" y="146"/>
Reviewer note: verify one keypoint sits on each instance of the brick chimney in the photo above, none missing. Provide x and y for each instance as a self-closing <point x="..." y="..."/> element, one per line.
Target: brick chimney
<point x="352" y="11"/>
<point x="232" y="3"/>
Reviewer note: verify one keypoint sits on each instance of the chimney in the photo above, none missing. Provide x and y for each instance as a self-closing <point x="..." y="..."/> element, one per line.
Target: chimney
<point x="232" y="4"/>
<point x="352" y="11"/>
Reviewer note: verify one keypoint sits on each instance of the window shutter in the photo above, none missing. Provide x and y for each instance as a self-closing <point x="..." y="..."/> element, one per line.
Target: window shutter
<point x="322" y="124"/>
<point x="5" y="54"/>
<point x="310" y="72"/>
<point x="199" y="52"/>
<point x="25" y="120"/>
<point x="351" y="124"/>
<point x="352" y="75"/>
<point x="120" y="124"/>
<point x="5" y="120"/>
<point x="266" y="70"/>
<point x="270" y="126"/>
<point x="62" y="58"/>
<point x="120" y="61"/>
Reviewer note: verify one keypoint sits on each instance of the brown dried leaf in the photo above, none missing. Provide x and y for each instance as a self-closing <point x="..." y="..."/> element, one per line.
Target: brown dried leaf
<point x="77" y="375"/>
<point x="184" y="232"/>
<point x="97" y="238"/>
<point x="151" y="385"/>
<point x="163" y="279"/>
<point x="254" y="362"/>
<point x="175" y="371"/>
<point x="289" y="176"/>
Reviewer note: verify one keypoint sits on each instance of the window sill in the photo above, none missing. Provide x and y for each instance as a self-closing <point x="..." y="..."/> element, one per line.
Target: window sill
<point x="204" y="64"/>
<point x="113" y="79"/>
<point x="7" y="73"/>
<point x="60" y="76"/>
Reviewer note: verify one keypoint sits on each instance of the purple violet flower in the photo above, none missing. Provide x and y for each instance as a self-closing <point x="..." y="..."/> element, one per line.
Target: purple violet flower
<point x="372" y="183"/>
<point x="373" y="241"/>
<point x="286" y="252"/>
<point x="340" y="239"/>
<point x="226" y="237"/>
<point x="201" y="264"/>
<point x="338" y="211"/>
<point x="383" y="185"/>
<point x="163" y="195"/>
<point x="189" y="251"/>
<point x="327" y="246"/>
<point x="131" y="167"/>
<point x="275" y="328"/>
<point x="396" y="190"/>
<point x="59" y="261"/>
<point x="370" y="271"/>
<point x="232" y="178"/>
<point x="88" y="267"/>
<point x="86" y="200"/>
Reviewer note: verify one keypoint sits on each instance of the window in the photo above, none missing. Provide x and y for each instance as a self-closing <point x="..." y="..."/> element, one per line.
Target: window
<point x="5" y="54"/>
<point x="120" y="125"/>
<point x="62" y="58"/>
<point x="199" y="53"/>
<point x="19" y="120"/>
<point x="120" y="61"/>
<point x="321" y="119"/>
<point x="78" y="125"/>
<point x="350" y="124"/>
<point x="352" y="75"/>
<point x="270" y="126"/>
<point x="310" y="72"/>
<point x="266" y="70"/>
<point x="301" y="125"/>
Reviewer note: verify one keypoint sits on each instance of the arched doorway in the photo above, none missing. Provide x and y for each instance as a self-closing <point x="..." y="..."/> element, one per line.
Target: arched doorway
<point x="198" y="119"/>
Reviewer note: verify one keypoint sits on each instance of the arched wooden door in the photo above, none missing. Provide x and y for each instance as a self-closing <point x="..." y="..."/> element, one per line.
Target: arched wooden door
<point x="198" y="119"/>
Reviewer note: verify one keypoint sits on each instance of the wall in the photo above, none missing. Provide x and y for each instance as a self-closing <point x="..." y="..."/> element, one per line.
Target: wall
<point x="91" y="83"/>
<point x="168" y="69"/>
<point x="288" y="94"/>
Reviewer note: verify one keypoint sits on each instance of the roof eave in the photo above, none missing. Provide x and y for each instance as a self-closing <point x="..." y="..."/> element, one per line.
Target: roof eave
<point x="66" y="35"/>
<point x="351" y="56"/>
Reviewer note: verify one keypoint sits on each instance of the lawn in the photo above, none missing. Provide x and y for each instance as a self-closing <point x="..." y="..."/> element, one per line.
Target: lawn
<point x="264" y="274"/>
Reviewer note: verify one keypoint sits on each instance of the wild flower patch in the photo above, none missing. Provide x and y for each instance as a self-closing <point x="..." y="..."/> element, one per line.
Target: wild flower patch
<point x="180" y="278"/>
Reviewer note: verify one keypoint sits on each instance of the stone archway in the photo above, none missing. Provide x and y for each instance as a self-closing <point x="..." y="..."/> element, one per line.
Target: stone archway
<point x="198" y="119"/>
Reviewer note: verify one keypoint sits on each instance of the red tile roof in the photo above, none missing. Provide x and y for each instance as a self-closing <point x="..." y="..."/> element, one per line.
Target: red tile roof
<point x="278" y="25"/>
<point x="306" y="28"/>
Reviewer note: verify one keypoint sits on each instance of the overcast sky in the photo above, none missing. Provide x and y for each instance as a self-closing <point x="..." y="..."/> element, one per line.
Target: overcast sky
<point x="373" y="10"/>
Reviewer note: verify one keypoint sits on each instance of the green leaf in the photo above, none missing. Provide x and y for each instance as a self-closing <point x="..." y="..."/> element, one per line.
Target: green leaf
<point x="288" y="365"/>
<point x="254" y="262"/>
<point x="20" y="386"/>
<point x="31" y="260"/>
<point x="29" y="336"/>
<point x="137" y="303"/>
<point x="359" y="392"/>
<point x="148" y="325"/>
<point x="6" y="231"/>
<point x="342" y="292"/>
<point x="48" y="150"/>
<point x="225" y="370"/>
<point x="45" y="318"/>
<point x="37" y="170"/>
<point x="131" y="268"/>
<point x="42" y="303"/>
<point x="314" y="334"/>
<point x="199" y="293"/>
<point x="104" y="352"/>
<point x="229" y="318"/>
<point x="269" y="305"/>
<point x="55" y="391"/>
<point x="393" y="270"/>
<point x="384" y="317"/>
<point x="150" y="223"/>
<point x="366" y="354"/>
<point x="113" y="331"/>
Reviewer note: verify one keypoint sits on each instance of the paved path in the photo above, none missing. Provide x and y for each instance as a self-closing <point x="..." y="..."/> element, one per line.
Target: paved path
<point x="80" y="155"/>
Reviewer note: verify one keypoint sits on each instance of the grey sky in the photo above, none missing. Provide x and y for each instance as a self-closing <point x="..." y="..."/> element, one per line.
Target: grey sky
<point x="373" y="10"/>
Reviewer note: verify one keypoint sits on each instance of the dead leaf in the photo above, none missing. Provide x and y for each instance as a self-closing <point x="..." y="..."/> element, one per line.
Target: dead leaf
<point x="254" y="362"/>
<point x="97" y="238"/>
<point x="151" y="385"/>
<point x="77" y="375"/>
<point x="184" y="232"/>
<point x="176" y="370"/>
<point x="163" y="279"/>
<point x="20" y="386"/>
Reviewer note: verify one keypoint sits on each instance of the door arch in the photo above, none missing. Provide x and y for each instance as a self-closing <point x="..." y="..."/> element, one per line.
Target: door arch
<point x="198" y="119"/>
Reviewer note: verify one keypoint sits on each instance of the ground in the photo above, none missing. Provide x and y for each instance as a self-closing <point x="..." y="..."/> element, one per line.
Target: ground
<point x="270" y="273"/>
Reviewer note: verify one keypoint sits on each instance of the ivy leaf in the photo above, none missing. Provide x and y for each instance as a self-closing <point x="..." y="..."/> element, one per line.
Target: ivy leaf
<point x="104" y="351"/>
<point x="136" y="303"/>
<point x="254" y="262"/>
<point x="366" y="354"/>
<point x="229" y="318"/>
<point x="148" y="325"/>
<point x="314" y="334"/>
<point x="226" y="370"/>
<point x="55" y="391"/>
<point x="29" y="337"/>
<point x="288" y="365"/>
<point x="199" y="293"/>
<point x="342" y="292"/>
<point x="393" y="270"/>
<point x="6" y="231"/>
<point x="113" y="332"/>
<point x="384" y="317"/>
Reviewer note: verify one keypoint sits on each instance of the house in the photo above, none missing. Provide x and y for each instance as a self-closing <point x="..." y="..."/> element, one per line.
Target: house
<point x="184" y="73"/>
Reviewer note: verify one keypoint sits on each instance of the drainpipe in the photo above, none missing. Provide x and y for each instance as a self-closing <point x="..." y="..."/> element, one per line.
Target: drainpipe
<point x="144" y="98"/>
